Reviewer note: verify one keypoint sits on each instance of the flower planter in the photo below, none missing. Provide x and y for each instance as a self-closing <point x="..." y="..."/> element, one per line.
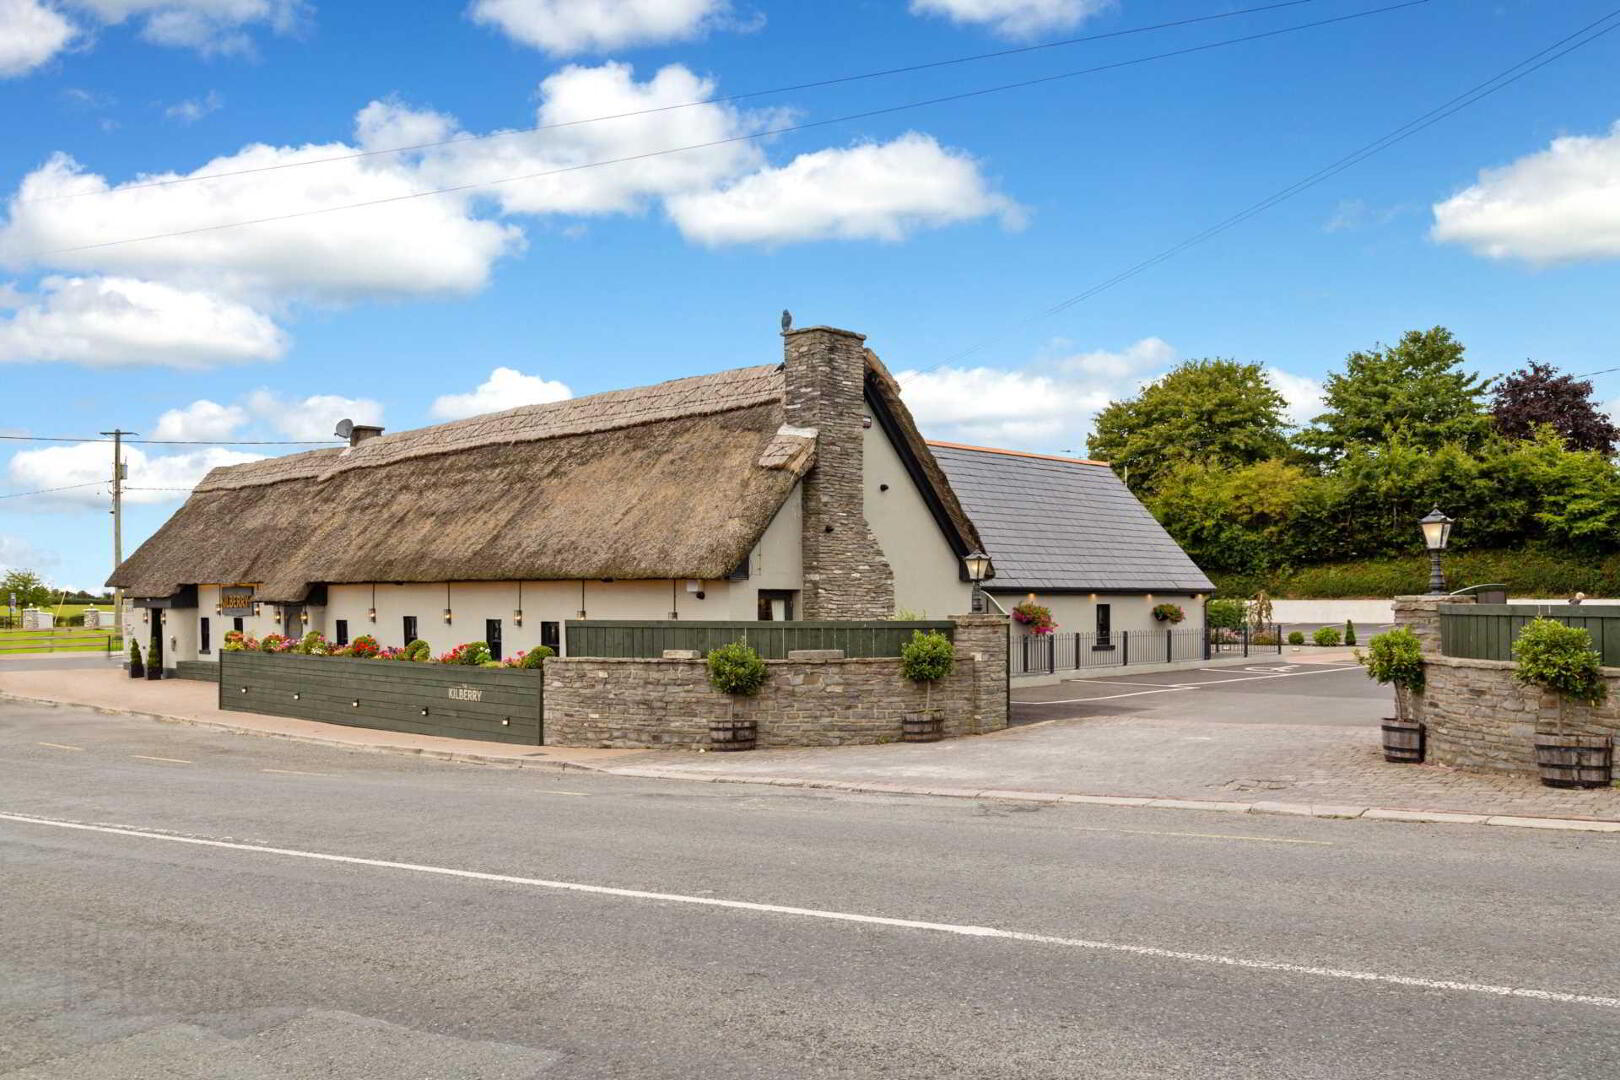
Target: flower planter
<point x="922" y="727"/>
<point x="1403" y="740"/>
<point x="733" y="734"/>
<point x="1574" y="761"/>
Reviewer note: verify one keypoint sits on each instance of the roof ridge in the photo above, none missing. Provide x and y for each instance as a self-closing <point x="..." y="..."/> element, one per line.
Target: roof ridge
<point x="1017" y="453"/>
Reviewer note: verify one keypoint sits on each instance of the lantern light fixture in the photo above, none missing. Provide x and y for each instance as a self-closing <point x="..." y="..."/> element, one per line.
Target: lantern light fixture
<point x="1436" y="529"/>
<point x="447" y="615"/>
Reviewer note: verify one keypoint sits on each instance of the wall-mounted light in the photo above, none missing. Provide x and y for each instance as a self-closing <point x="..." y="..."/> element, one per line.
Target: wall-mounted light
<point x="371" y="613"/>
<point x="517" y="617"/>
<point x="303" y="617"/>
<point x="447" y="615"/>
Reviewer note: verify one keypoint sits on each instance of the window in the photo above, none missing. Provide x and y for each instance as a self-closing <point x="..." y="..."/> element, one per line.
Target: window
<point x="203" y="635"/>
<point x="410" y="629"/>
<point x="237" y="625"/>
<point x="1105" y="626"/>
<point x="551" y="635"/>
<point x="343" y="631"/>
<point x="492" y="637"/>
<point x="775" y="605"/>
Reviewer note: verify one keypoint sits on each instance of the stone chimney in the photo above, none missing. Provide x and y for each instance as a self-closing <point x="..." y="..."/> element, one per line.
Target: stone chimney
<point x="362" y="432"/>
<point x="845" y="573"/>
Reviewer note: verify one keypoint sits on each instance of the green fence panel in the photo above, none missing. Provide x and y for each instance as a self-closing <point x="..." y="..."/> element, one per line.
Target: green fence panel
<point x="773" y="640"/>
<point x="1487" y="631"/>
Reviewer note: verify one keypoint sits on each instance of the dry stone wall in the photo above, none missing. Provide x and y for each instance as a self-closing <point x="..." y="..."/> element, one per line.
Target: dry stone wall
<point x="805" y="702"/>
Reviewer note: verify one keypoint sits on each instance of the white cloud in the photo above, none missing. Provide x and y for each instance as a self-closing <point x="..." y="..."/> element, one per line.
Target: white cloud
<point x="1302" y="394"/>
<point x="1048" y="406"/>
<point x="202" y="419"/>
<point x="194" y="109"/>
<point x="1014" y="18"/>
<point x="18" y="554"/>
<point x="313" y="417"/>
<point x="874" y="191"/>
<point x="565" y="27"/>
<point x="210" y="26"/>
<point x="506" y="388"/>
<point x="30" y="34"/>
<point x="1559" y="205"/>
<point x="86" y="468"/>
<point x="115" y="321"/>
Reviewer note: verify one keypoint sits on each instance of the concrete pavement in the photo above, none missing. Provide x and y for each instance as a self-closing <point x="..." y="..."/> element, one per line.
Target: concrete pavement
<point x="501" y="923"/>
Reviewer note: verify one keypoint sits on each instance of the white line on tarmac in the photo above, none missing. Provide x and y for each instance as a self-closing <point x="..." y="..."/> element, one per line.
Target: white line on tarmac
<point x="1180" y="686"/>
<point x="296" y="772"/>
<point x="583" y="794"/>
<point x="59" y="746"/>
<point x="1149" y="951"/>
<point x="1202" y="835"/>
<point x="170" y="760"/>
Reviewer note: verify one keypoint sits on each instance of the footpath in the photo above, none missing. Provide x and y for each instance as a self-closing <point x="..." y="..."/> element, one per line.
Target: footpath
<point x="1099" y="760"/>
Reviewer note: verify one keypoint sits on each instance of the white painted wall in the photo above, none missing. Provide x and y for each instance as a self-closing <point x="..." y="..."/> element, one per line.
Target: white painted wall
<point x="1077" y="612"/>
<point x="927" y="573"/>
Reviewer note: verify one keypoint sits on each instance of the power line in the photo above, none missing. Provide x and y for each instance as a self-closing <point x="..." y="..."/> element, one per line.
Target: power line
<point x="783" y="130"/>
<point x="1479" y="92"/>
<point x="180" y="442"/>
<point x="47" y="491"/>
<point x="716" y="100"/>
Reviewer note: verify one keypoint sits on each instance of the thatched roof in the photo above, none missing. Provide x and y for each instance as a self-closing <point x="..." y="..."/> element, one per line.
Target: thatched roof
<point x="677" y="480"/>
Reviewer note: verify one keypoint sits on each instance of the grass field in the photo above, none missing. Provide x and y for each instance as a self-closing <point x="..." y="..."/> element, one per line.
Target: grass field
<point x="68" y="639"/>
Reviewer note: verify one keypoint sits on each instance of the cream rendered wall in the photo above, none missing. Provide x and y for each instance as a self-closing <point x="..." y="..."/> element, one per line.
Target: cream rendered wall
<point x="1077" y="612"/>
<point x="927" y="573"/>
<point x="777" y="562"/>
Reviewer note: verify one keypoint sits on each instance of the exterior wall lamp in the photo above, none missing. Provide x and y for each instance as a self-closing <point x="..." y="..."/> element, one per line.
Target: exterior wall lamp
<point x="447" y="615"/>
<point x="303" y="616"/>
<point x="517" y="617"/>
<point x="1436" y="535"/>
<point x="977" y="565"/>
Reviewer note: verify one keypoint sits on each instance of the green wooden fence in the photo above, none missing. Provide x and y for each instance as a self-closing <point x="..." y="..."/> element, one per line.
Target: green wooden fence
<point x="1487" y="631"/>
<point x="495" y="705"/>
<point x="772" y="640"/>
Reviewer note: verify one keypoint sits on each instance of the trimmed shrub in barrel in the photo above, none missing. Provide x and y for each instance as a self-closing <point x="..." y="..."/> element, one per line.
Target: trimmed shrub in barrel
<point x="1560" y="659"/>
<point x="1395" y="658"/>
<point x="926" y="659"/>
<point x="137" y="670"/>
<point x="154" y="656"/>
<point x="736" y="671"/>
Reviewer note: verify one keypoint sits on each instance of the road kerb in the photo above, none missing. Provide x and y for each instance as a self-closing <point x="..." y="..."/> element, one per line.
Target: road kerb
<point x="1433" y="817"/>
<point x="1320" y="810"/>
<point x="1572" y="824"/>
<point x="1198" y="804"/>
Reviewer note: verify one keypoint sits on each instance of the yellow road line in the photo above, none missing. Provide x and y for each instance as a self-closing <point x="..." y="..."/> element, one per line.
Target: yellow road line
<point x="59" y="746"/>
<point x="170" y="760"/>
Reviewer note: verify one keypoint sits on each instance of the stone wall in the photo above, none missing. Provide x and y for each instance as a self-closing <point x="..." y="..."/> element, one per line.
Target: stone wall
<point x="1476" y="715"/>
<point x="805" y="702"/>
<point x="845" y="573"/>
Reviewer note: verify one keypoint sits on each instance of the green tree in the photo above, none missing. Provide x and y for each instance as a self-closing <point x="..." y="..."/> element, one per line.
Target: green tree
<point x="1413" y="392"/>
<point x="28" y="587"/>
<point x="1219" y="413"/>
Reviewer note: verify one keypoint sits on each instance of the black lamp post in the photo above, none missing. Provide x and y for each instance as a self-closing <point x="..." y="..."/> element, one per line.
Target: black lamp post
<point x="977" y="564"/>
<point x="1436" y="534"/>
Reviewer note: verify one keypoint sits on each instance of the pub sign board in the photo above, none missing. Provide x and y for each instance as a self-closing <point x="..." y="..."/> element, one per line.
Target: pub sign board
<point x="236" y="600"/>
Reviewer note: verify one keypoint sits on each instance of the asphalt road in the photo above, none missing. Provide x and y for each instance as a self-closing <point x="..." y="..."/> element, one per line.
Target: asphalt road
<point x="1274" y="690"/>
<point x="173" y="908"/>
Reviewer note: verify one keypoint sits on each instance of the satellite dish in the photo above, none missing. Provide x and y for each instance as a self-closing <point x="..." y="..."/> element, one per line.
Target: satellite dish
<point x="345" y="428"/>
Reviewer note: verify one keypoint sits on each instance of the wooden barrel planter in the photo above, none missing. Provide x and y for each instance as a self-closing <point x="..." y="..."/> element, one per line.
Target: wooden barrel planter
<point x="733" y="734"/>
<point x="1403" y="740"/>
<point x="922" y="727"/>
<point x="1574" y="761"/>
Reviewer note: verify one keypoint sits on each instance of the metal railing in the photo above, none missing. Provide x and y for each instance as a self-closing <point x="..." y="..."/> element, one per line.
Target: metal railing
<point x="1048" y="654"/>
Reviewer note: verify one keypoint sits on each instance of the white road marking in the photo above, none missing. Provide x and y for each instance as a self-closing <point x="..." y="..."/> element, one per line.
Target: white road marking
<point x="1182" y="686"/>
<point x="170" y="760"/>
<point x="296" y="772"/>
<point x="59" y="746"/>
<point x="1150" y="951"/>
<point x="1107" y="697"/>
<point x="584" y="794"/>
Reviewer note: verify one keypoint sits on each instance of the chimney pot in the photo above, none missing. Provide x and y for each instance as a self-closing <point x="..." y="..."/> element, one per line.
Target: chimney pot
<point x="362" y="432"/>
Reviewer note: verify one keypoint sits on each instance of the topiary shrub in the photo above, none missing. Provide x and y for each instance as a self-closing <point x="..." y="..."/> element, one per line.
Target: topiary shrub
<point x="417" y="652"/>
<point x="927" y="658"/>
<point x="534" y="658"/>
<point x="1266" y="637"/>
<point x="1396" y="658"/>
<point x="1349" y="632"/>
<point x="1561" y="659"/>
<point x="137" y="670"/>
<point x="1296" y="637"/>
<point x="736" y="669"/>
<point x="1326" y="635"/>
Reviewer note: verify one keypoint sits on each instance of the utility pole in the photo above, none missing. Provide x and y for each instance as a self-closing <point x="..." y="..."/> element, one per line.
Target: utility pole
<point x="119" y="475"/>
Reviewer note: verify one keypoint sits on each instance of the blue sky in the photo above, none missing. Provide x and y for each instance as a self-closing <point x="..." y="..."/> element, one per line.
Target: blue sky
<point x="940" y="232"/>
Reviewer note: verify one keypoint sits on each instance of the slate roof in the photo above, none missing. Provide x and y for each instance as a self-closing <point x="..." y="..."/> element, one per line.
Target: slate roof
<point x="1064" y="523"/>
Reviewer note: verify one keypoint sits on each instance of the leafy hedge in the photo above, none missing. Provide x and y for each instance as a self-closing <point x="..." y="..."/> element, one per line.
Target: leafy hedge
<point x="1528" y="572"/>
